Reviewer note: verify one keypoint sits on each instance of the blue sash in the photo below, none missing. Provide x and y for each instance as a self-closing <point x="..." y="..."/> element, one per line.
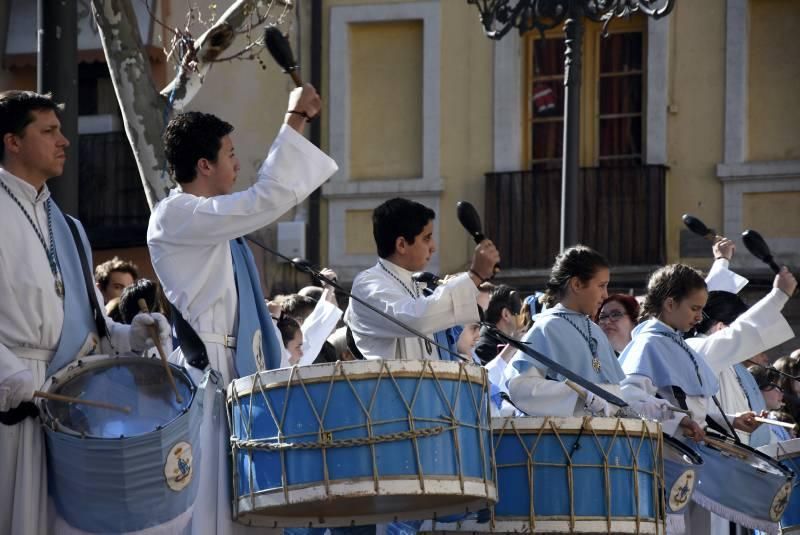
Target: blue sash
<point x="658" y="352"/>
<point x="256" y="337"/>
<point x="448" y="339"/>
<point x="78" y="319"/>
<point x="759" y="437"/>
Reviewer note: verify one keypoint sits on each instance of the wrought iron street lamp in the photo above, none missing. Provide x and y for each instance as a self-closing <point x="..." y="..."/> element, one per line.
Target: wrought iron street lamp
<point x="498" y="17"/>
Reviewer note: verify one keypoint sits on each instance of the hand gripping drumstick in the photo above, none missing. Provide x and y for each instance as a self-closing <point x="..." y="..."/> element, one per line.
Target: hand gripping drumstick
<point x="471" y="221"/>
<point x="281" y="51"/>
<point x="68" y="399"/>
<point x="157" y="341"/>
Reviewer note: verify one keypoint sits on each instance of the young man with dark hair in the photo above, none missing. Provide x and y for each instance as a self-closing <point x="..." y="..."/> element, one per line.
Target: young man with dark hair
<point x="113" y="276"/>
<point x="403" y="231"/>
<point x="208" y="273"/>
<point x="503" y="312"/>
<point x="46" y="317"/>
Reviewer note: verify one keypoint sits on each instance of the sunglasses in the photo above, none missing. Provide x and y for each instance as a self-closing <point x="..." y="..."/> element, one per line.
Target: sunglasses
<point x="772" y="386"/>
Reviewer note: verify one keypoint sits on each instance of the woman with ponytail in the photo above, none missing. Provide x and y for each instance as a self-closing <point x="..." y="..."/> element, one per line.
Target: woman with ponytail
<point x="565" y="333"/>
<point x="659" y="362"/>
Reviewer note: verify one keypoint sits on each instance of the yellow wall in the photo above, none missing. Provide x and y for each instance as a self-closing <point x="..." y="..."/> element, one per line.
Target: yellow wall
<point x="774" y="80"/>
<point x="386" y="100"/>
<point x="358" y="232"/>
<point x="466" y="121"/>
<point x="695" y="128"/>
<point x="774" y="214"/>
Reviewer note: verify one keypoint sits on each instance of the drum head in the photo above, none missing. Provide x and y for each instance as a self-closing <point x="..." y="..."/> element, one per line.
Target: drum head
<point x="138" y="383"/>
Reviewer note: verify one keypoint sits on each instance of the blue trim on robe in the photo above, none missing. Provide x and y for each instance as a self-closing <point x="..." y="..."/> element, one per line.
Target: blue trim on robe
<point x="447" y="338"/>
<point x="78" y="318"/>
<point x="554" y="337"/>
<point x="653" y="354"/>
<point x="253" y="317"/>
<point x="759" y="437"/>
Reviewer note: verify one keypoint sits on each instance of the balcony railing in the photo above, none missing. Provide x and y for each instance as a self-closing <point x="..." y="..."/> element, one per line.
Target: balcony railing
<point x="112" y="205"/>
<point x="621" y="214"/>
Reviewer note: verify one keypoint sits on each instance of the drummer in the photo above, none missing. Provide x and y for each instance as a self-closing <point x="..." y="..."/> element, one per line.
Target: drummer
<point x="46" y="318"/>
<point x="403" y="232"/>
<point x="194" y="241"/>
<point x="564" y="332"/>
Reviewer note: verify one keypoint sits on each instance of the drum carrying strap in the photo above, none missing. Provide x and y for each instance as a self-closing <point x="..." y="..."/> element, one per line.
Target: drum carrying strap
<point x="192" y="347"/>
<point x="680" y="397"/>
<point x="97" y="313"/>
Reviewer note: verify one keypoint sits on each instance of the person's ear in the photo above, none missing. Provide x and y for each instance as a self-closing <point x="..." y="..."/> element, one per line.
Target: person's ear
<point x="11" y="142"/>
<point x="400" y="245"/>
<point x="575" y="284"/>
<point x="669" y="304"/>
<point x="203" y="166"/>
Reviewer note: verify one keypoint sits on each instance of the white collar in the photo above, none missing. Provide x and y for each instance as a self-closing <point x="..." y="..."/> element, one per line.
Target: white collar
<point x="22" y="188"/>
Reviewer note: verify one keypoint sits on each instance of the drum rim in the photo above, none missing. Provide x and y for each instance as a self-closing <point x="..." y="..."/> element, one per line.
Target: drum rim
<point x="479" y="493"/>
<point x="779" y="450"/>
<point x="570" y="424"/>
<point x="372" y="369"/>
<point x="551" y="525"/>
<point x="71" y="371"/>
<point x="695" y="457"/>
<point x="761" y="455"/>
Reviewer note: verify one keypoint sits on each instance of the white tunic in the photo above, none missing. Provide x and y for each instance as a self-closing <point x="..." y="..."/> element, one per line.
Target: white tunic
<point x="31" y="317"/>
<point x="452" y="303"/>
<point x="758" y="329"/>
<point x="317" y="327"/>
<point x="188" y="238"/>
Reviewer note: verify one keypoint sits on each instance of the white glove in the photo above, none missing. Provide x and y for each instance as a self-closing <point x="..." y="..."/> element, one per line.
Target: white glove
<point x="140" y="332"/>
<point x="656" y="409"/>
<point x="596" y="404"/>
<point x="15" y="389"/>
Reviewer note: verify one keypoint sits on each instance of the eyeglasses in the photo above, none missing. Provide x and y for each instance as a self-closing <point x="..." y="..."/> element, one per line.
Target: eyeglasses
<point x="616" y="315"/>
<point x="772" y="386"/>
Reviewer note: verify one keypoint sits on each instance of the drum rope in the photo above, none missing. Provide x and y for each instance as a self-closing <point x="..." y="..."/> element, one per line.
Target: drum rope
<point x="268" y="445"/>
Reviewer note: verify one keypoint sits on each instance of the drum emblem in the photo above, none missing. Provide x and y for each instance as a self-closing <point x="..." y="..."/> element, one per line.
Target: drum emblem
<point x="178" y="468"/>
<point x="681" y="490"/>
<point x="780" y="502"/>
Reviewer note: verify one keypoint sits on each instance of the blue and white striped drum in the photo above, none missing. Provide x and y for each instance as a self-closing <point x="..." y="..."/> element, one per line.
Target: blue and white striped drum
<point x="360" y="442"/>
<point x="788" y="453"/>
<point x="682" y="468"/>
<point x="574" y="475"/>
<point x="113" y="472"/>
<point x="742" y="484"/>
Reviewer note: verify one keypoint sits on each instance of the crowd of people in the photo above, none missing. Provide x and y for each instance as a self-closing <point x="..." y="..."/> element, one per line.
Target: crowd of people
<point x="689" y="341"/>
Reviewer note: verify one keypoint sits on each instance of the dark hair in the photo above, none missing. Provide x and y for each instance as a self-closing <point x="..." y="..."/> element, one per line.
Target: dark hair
<point x="674" y="281"/>
<point x="395" y="218"/>
<point x="577" y="261"/>
<point x="190" y="137"/>
<point x="16" y="112"/>
<point x="789" y="366"/>
<point x="129" y="300"/>
<point x="297" y="306"/>
<point x="503" y="296"/>
<point x="288" y="327"/>
<point x="628" y="302"/>
<point x="722" y="307"/>
<point x="102" y="273"/>
<point x="764" y="376"/>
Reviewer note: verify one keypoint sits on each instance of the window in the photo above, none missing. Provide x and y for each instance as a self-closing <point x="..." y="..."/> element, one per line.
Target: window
<point x="612" y="96"/>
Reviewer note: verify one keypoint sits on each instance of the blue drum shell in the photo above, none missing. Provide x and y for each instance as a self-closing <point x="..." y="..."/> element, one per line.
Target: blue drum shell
<point x="112" y="485"/>
<point x="432" y="416"/>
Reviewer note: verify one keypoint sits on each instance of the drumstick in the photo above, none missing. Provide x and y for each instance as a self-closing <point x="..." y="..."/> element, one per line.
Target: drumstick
<point x="774" y="422"/>
<point x="157" y="341"/>
<point x="68" y="399"/>
<point x="581" y="392"/>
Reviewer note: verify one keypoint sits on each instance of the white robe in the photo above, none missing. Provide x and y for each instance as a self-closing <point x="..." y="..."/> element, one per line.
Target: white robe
<point x="31" y="317"/>
<point x="188" y="238"/>
<point x="452" y="303"/>
<point x="317" y="327"/>
<point x="756" y="330"/>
